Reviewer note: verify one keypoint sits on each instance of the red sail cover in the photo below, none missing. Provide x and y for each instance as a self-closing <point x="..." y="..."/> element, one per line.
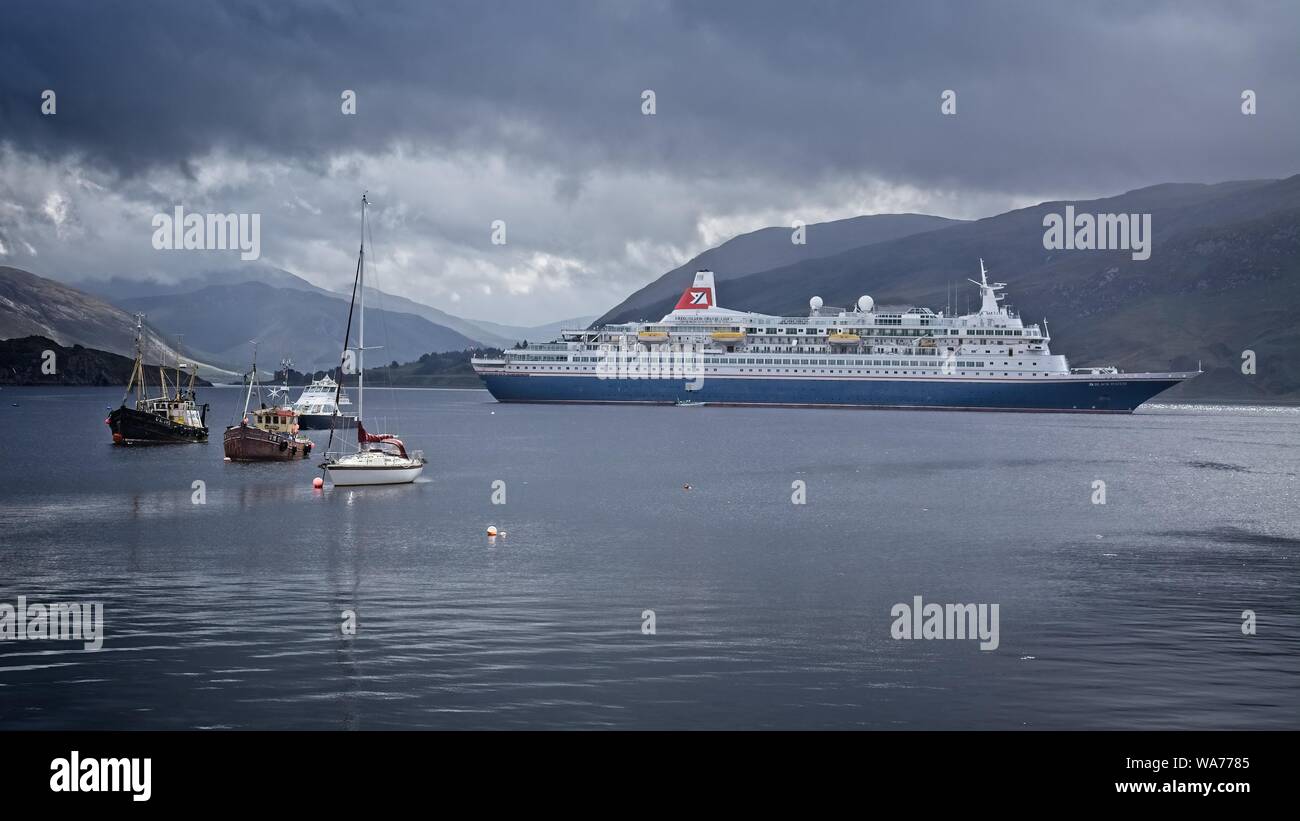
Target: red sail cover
<point x="366" y="438"/>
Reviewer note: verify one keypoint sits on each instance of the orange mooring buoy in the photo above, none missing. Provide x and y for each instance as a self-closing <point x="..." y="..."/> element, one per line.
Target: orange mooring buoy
<point x="318" y="483"/>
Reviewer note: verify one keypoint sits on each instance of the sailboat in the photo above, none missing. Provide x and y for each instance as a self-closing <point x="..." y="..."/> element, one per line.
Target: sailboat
<point x="380" y="458"/>
<point x="267" y="434"/>
<point x="163" y="419"/>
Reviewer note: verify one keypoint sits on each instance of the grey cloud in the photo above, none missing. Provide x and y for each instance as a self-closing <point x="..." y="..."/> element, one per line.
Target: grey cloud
<point x="1089" y="93"/>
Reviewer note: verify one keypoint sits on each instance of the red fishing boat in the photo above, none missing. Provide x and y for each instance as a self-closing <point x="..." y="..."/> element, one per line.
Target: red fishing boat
<point x="265" y="434"/>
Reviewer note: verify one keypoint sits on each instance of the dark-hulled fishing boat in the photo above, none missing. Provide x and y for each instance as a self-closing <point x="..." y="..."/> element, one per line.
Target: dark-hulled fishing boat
<point x="173" y="418"/>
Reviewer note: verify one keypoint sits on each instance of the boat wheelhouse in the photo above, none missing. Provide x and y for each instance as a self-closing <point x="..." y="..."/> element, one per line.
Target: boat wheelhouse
<point x="322" y="404"/>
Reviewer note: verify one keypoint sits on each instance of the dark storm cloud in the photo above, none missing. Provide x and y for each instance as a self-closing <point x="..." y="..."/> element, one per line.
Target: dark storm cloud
<point x="1049" y="95"/>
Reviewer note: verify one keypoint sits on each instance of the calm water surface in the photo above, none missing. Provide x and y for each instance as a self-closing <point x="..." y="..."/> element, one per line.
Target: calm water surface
<point x="768" y="614"/>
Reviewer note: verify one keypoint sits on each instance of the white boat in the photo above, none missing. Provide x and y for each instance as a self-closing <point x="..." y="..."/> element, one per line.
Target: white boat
<point x="376" y="466"/>
<point x="323" y="405"/>
<point x="380" y="459"/>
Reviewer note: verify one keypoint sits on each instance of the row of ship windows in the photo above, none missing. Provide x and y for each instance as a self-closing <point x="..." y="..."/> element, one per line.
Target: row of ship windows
<point x="857" y="363"/>
<point x="922" y="372"/>
<point x="866" y="331"/>
<point x="719" y="360"/>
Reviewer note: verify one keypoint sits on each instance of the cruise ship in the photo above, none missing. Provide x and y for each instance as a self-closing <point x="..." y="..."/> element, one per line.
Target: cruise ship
<point x="868" y="356"/>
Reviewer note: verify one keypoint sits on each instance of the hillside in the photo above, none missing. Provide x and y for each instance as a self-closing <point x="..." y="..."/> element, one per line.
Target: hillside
<point x="21" y="364"/>
<point x="306" y="326"/>
<point x="32" y="305"/>
<point x="765" y="249"/>
<point x="450" y="369"/>
<point x="118" y="290"/>
<point x="511" y="334"/>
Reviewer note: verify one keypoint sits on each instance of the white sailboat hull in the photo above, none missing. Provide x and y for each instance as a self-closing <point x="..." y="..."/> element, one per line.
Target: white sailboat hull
<point x="345" y="477"/>
<point x="373" y="468"/>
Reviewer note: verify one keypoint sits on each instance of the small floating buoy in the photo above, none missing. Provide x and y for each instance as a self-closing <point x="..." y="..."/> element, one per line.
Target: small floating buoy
<point x="318" y="483"/>
<point x="686" y="487"/>
<point x="226" y="459"/>
<point x="492" y="530"/>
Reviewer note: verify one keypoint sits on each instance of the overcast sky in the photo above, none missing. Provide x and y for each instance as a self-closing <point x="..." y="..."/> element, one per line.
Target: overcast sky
<point x="531" y="113"/>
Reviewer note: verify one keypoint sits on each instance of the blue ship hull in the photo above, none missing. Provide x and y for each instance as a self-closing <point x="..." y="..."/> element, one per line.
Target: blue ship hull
<point x="1112" y="394"/>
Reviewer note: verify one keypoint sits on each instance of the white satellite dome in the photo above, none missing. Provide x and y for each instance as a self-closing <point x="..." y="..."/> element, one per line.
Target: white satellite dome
<point x="865" y="304"/>
<point x="815" y="303"/>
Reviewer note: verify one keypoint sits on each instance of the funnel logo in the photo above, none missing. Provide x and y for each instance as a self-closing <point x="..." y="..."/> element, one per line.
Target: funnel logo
<point x="695" y="298"/>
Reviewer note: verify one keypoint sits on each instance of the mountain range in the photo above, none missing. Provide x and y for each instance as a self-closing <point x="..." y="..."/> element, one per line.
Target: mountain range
<point x="119" y="291"/>
<point x="219" y="321"/>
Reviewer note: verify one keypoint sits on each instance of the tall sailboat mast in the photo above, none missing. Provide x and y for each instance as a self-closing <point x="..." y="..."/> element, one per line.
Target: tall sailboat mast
<point x="361" y="330"/>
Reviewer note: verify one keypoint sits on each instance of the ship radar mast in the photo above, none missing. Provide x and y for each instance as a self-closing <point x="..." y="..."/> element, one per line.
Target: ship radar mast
<point x="989" y="296"/>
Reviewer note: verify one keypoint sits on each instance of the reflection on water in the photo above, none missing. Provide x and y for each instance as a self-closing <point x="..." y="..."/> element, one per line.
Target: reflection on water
<point x="768" y="614"/>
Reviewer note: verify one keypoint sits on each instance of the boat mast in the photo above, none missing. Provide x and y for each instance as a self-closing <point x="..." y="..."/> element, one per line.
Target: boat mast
<point x="361" y="328"/>
<point x="180" y="340"/>
<point x="137" y="370"/>
<point x="252" y="380"/>
<point x="162" y="371"/>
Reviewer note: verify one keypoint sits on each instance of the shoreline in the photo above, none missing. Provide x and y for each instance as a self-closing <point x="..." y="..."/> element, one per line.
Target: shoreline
<point x="1226" y="404"/>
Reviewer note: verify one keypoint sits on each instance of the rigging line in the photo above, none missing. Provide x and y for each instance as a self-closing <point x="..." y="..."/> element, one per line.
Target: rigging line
<point x="383" y="320"/>
<point x="347" y="335"/>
